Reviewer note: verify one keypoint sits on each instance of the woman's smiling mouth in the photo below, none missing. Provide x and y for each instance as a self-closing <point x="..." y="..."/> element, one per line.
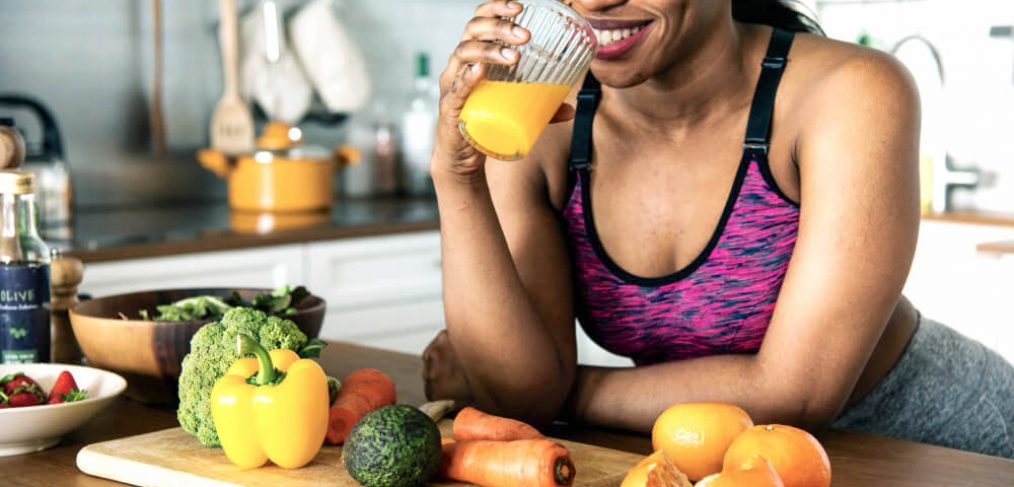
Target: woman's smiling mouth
<point x="617" y="37"/>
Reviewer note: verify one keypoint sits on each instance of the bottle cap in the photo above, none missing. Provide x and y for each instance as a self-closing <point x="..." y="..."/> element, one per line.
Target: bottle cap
<point x="16" y="182"/>
<point x="422" y="65"/>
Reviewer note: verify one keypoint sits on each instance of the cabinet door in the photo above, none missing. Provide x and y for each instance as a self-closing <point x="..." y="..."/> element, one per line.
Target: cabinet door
<point x="969" y="291"/>
<point x="267" y="267"/>
<point x="381" y="291"/>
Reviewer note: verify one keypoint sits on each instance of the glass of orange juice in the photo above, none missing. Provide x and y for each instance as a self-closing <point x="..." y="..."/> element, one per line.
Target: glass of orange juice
<point x="509" y="109"/>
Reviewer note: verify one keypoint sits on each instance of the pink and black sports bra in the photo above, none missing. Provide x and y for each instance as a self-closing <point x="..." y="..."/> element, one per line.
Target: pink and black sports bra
<point x="721" y="302"/>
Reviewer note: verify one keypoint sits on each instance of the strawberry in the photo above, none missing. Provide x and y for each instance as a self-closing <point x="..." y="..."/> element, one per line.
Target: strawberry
<point x="65" y="390"/>
<point x="17" y="380"/>
<point x="19" y="390"/>
<point x="23" y="398"/>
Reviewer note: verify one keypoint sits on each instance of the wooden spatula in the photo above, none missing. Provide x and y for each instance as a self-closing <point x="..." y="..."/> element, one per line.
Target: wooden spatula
<point x="232" y="127"/>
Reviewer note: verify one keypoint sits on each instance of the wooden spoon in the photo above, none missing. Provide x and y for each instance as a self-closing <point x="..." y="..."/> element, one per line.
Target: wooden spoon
<point x="232" y="127"/>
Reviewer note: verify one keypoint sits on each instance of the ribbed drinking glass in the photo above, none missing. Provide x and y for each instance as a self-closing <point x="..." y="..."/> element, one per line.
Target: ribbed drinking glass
<point x="508" y="110"/>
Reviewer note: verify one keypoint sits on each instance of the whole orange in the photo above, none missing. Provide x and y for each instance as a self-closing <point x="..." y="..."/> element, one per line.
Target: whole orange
<point x="758" y="473"/>
<point x="795" y="454"/>
<point x="696" y="435"/>
<point x="655" y="471"/>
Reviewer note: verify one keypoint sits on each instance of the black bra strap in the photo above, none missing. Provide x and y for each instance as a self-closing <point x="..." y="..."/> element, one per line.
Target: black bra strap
<point x="581" y="139"/>
<point x="758" y="128"/>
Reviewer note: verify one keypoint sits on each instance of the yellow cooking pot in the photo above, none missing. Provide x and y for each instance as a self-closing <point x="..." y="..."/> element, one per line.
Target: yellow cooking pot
<point x="281" y="175"/>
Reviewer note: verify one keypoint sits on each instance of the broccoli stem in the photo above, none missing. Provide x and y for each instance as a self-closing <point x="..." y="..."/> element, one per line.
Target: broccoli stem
<point x="247" y="346"/>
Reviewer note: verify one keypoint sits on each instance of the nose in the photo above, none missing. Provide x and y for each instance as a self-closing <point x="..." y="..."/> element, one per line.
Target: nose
<point x="596" y="5"/>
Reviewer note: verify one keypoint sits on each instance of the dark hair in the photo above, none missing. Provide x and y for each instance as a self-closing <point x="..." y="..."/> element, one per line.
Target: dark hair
<point x="785" y="14"/>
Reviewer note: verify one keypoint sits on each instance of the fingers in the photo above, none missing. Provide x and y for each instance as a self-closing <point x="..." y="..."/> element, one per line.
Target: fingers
<point x="459" y="90"/>
<point x="434" y="345"/>
<point x="485" y="38"/>
<point x="495" y="29"/>
<point x="498" y="8"/>
<point x="472" y="52"/>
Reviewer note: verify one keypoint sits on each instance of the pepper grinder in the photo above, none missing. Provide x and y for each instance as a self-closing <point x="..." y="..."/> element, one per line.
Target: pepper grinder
<point x="12" y="145"/>
<point x="65" y="276"/>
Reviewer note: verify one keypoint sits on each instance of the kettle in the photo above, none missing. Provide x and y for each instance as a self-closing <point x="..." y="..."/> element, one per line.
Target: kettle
<point x="52" y="188"/>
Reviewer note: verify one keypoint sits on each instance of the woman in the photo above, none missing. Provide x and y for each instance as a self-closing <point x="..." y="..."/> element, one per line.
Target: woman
<point x="781" y="294"/>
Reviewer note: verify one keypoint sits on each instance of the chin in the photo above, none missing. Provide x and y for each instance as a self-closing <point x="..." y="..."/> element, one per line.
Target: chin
<point x="618" y="74"/>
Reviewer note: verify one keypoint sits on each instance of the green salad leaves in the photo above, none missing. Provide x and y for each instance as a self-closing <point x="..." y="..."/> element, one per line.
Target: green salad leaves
<point x="281" y="301"/>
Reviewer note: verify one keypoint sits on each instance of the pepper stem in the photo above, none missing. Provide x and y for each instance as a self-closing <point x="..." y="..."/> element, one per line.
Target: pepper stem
<point x="247" y="346"/>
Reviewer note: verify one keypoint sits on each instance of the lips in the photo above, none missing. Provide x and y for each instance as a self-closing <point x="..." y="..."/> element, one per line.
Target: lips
<point x="617" y="37"/>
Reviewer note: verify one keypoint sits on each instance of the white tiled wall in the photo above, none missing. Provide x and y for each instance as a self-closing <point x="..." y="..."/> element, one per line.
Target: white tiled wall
<point x="972" y="117"/>
<point x="391" y="32"/>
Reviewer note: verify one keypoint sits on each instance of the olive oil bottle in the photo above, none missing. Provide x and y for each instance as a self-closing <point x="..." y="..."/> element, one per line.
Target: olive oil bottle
<point x="24" y="272"/>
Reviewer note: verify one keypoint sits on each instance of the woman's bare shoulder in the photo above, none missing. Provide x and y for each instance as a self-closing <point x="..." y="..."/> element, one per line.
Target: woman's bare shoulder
<point x="832" y="74"/>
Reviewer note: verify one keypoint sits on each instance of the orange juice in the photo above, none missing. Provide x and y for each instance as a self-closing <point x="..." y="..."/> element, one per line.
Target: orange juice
<point x="504" y="118"/>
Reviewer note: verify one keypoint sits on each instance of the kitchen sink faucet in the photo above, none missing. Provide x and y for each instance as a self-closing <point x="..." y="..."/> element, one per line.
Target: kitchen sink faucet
<point x="944" y="174"/>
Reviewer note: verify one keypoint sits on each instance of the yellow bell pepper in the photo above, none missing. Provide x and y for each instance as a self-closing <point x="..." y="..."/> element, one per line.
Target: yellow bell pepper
<point x="272" y="407"/>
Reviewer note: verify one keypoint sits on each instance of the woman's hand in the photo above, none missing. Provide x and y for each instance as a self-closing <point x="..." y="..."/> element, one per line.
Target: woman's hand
<point x="484" y="42"/>
<point x="442" y="376"/>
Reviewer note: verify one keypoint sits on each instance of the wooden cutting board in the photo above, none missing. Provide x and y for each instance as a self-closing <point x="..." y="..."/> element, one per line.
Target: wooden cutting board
<point x="172" y="457"/>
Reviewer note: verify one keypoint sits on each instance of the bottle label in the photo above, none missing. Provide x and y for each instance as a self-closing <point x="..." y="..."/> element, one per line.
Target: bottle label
<point x="24" y="313"/>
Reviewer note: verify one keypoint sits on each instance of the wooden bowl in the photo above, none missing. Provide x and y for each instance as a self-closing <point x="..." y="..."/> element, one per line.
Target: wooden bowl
<point x="148" y="353"/>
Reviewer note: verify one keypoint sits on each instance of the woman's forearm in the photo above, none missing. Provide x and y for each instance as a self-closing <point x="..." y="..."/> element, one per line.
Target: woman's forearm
<point x="502" y="343"/>
<point x="631" y="398"/>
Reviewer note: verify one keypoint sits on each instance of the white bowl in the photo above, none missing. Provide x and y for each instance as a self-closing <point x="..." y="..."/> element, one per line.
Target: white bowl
<point x="35" y="428"/>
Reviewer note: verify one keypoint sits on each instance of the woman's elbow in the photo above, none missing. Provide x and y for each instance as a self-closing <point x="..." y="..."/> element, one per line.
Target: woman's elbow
<point x="803" y="404"/>
<point x="536" y="400"/>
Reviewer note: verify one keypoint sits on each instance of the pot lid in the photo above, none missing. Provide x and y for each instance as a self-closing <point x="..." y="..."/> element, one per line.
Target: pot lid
<point x="280" y="140"/>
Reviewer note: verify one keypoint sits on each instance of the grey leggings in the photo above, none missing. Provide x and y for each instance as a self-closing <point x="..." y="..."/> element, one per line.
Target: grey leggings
<point x="946" y="390"/>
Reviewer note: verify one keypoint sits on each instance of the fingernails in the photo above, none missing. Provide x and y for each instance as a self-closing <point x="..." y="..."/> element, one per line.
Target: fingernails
<point x="475" y="69"/>
<point x="508" y="54"/>
<point x="519" y="32"/>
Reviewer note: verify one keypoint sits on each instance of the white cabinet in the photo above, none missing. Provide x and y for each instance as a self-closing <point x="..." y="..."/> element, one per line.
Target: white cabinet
<point x="383" y="292"/>
<point x="380" y="291"/>
<point x="969" y="291"/>
<point x="263" y="267"/>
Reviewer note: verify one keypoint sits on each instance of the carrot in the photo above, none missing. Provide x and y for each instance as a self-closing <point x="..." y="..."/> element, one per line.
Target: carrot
<point x="363" y="391"/>
<point x="472" y="424"/>
<point x="518" y="463"/>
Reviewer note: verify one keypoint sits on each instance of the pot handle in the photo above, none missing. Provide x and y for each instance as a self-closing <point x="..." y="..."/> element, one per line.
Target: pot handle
<point x="346" y="155"/>
<point x="215" y="161"/>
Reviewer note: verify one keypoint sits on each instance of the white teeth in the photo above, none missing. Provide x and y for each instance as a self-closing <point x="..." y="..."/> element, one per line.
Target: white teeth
<point x="606" y="37"/>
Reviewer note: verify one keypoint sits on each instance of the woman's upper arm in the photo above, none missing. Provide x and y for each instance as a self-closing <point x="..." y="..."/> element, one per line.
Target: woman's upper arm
<point x="535" y="238"/>
<point x="859" y="217"/>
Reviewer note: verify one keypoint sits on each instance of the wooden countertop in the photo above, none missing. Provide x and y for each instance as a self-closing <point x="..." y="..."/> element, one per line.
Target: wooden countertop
<point x="1004" y="247"/>
<point x="973" y="217"/>
<point x="857" y="460"/>
<point x="141" y="232"/>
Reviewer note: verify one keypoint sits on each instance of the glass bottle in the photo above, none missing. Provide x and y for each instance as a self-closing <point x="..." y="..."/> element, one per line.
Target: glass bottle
<point x="24" y="274"/>
<point x="418" y="127"/>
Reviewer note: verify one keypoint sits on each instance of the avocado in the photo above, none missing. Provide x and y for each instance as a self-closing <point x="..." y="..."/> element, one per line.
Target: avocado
<point x="394" y="446"/>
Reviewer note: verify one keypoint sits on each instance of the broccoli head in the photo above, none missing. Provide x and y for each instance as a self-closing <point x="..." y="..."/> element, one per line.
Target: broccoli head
<point x="212" y="351"/>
